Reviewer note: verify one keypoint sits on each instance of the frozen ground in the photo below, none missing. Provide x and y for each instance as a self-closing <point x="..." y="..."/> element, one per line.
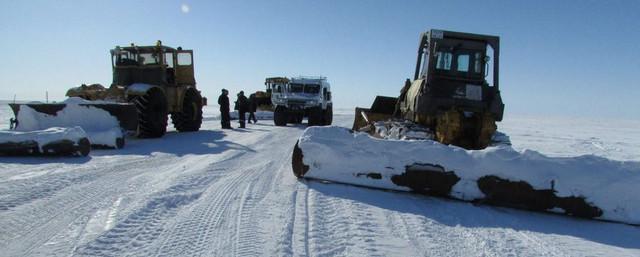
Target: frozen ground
<point x="232" y="193"/>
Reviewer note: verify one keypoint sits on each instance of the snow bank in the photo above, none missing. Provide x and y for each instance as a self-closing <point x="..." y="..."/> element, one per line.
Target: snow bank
<point x="588" y="185"/>
<point x="102" y="128"/>
<point x="51" y="141"/>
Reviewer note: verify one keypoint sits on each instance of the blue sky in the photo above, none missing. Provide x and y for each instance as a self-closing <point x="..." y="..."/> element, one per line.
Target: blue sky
<point x="558" y="58"/>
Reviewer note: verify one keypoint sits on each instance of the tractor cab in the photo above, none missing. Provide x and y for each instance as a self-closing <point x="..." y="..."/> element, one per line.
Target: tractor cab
<point x="156" y="65"/>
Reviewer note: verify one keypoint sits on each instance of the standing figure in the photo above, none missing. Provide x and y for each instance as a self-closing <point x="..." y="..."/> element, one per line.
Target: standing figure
<point x="253" y="107"/>
<point x="225" y="118"/>
<point x="242" y="105"/>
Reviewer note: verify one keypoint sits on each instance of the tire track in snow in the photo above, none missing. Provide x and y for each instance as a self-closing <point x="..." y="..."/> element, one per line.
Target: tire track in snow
<point x="193" y="234"/>
<point x="137" y="232"/>
<point x="252" y="235"/>
<point x="300" y="227"/>
<point x="39" y="222"/>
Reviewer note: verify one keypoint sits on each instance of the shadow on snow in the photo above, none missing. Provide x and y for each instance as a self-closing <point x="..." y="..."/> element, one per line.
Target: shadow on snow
<point x="456" y="213"/>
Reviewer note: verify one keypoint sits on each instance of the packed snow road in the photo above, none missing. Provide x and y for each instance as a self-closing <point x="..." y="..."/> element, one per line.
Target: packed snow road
<point x="232" y="193"/>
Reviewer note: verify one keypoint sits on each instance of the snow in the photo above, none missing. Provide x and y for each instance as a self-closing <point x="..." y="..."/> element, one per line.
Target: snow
<point x="101" y="127"/>
<point x="608" y="184"/>
<point x="232" y="193"/>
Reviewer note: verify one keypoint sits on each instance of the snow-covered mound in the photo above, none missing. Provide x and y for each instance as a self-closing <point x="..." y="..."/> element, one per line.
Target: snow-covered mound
<point x="102" y="128"/>
<point x="587" y="186"/>
<point x="51" y="141"/>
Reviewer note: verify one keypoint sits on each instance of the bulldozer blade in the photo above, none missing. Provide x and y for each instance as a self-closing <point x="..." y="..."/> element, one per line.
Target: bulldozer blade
<point x="125" y="113"/>
<point x="383" y="108"/>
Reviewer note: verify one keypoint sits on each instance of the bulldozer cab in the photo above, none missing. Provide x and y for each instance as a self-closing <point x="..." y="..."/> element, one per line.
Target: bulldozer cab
<point x="155" y="65"/>
<point x="458" y="65"/>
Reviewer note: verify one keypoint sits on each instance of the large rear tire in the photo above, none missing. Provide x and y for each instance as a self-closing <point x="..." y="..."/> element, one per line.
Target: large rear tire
<point x="152" y="113"/>
<point x="190" y="119"/>
<point x="280" y="117"/>
<point x="316" y="117"/>
<point x="328" y="115"/>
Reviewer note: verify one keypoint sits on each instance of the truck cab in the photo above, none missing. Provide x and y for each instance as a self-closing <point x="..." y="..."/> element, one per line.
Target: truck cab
<point x="299" y="97"/>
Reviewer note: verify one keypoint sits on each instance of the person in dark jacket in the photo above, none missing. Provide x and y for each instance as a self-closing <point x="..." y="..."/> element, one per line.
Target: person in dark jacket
<point x="253" y="107"/>
<point x="225" y="118"/>
<point x="242" y="105"/>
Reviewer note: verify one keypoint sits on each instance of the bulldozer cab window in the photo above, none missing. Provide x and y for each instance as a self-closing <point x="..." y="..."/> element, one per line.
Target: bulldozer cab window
<point x="463" y="63"/>
<point x="184" y="59"/>
<point x="443" y="60"/>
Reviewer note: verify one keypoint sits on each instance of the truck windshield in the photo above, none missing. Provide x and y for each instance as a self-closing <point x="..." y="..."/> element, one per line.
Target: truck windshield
<point x="311" y="89"/>
<point x="148" y="59"/>
<point x="296" y="88"/>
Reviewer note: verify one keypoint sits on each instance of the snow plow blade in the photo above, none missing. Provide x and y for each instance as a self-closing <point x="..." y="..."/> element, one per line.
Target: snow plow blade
<point x="50" y="142"/>
<point x="381" y="109"/>
<point x="125" y="113"/>
<point x="584" y="186"/>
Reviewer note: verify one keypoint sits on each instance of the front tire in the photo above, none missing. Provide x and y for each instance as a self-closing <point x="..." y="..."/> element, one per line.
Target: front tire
<point x="152" y="113"/>
<point x="190" y="119"/>
<point x="280" y="117"/>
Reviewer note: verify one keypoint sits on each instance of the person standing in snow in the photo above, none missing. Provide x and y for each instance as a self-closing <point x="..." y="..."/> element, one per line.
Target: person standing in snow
<point x="253" y="107"/>
<point x="242" y="105"/>
<point x="225" y="118"/>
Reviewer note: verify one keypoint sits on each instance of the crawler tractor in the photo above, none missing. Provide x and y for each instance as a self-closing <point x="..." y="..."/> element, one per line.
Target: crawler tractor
<point x="454" y="91"/>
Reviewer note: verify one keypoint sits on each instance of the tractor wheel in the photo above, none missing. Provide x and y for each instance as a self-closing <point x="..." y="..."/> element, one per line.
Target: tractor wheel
<point x="152" y="113"/>
<point x="190" y="118"/>
<point x="315" y="117"/>
<point x="328" y="115"/>
<point x="280" y="117"/>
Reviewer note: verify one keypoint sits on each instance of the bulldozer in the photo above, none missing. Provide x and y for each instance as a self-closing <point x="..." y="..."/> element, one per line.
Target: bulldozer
<point x="149" y="84"/>
<point x="454" y="92"/>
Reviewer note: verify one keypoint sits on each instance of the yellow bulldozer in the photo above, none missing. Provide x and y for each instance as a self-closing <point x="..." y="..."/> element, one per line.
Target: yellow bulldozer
<point x="454" y="91"/>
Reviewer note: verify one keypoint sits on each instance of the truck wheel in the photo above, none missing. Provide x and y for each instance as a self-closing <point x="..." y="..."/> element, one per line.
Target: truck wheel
<point x="328" y="115"/>
<point x="315" y="117"/>
<point x="190" y="118"/>
<point x="152" y="113"/>
<point x="280" y="117"/>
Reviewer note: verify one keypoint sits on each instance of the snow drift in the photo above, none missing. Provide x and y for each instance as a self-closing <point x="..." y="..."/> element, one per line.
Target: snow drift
<point x="52" y="141"/>
<point x="586" y="186"/>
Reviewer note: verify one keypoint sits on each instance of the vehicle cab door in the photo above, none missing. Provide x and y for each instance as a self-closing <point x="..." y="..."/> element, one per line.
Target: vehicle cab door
<point x="184" y="68"/>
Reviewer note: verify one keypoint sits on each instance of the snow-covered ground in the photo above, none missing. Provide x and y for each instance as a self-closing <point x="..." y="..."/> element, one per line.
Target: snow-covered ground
<point x="232" y="193"/>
